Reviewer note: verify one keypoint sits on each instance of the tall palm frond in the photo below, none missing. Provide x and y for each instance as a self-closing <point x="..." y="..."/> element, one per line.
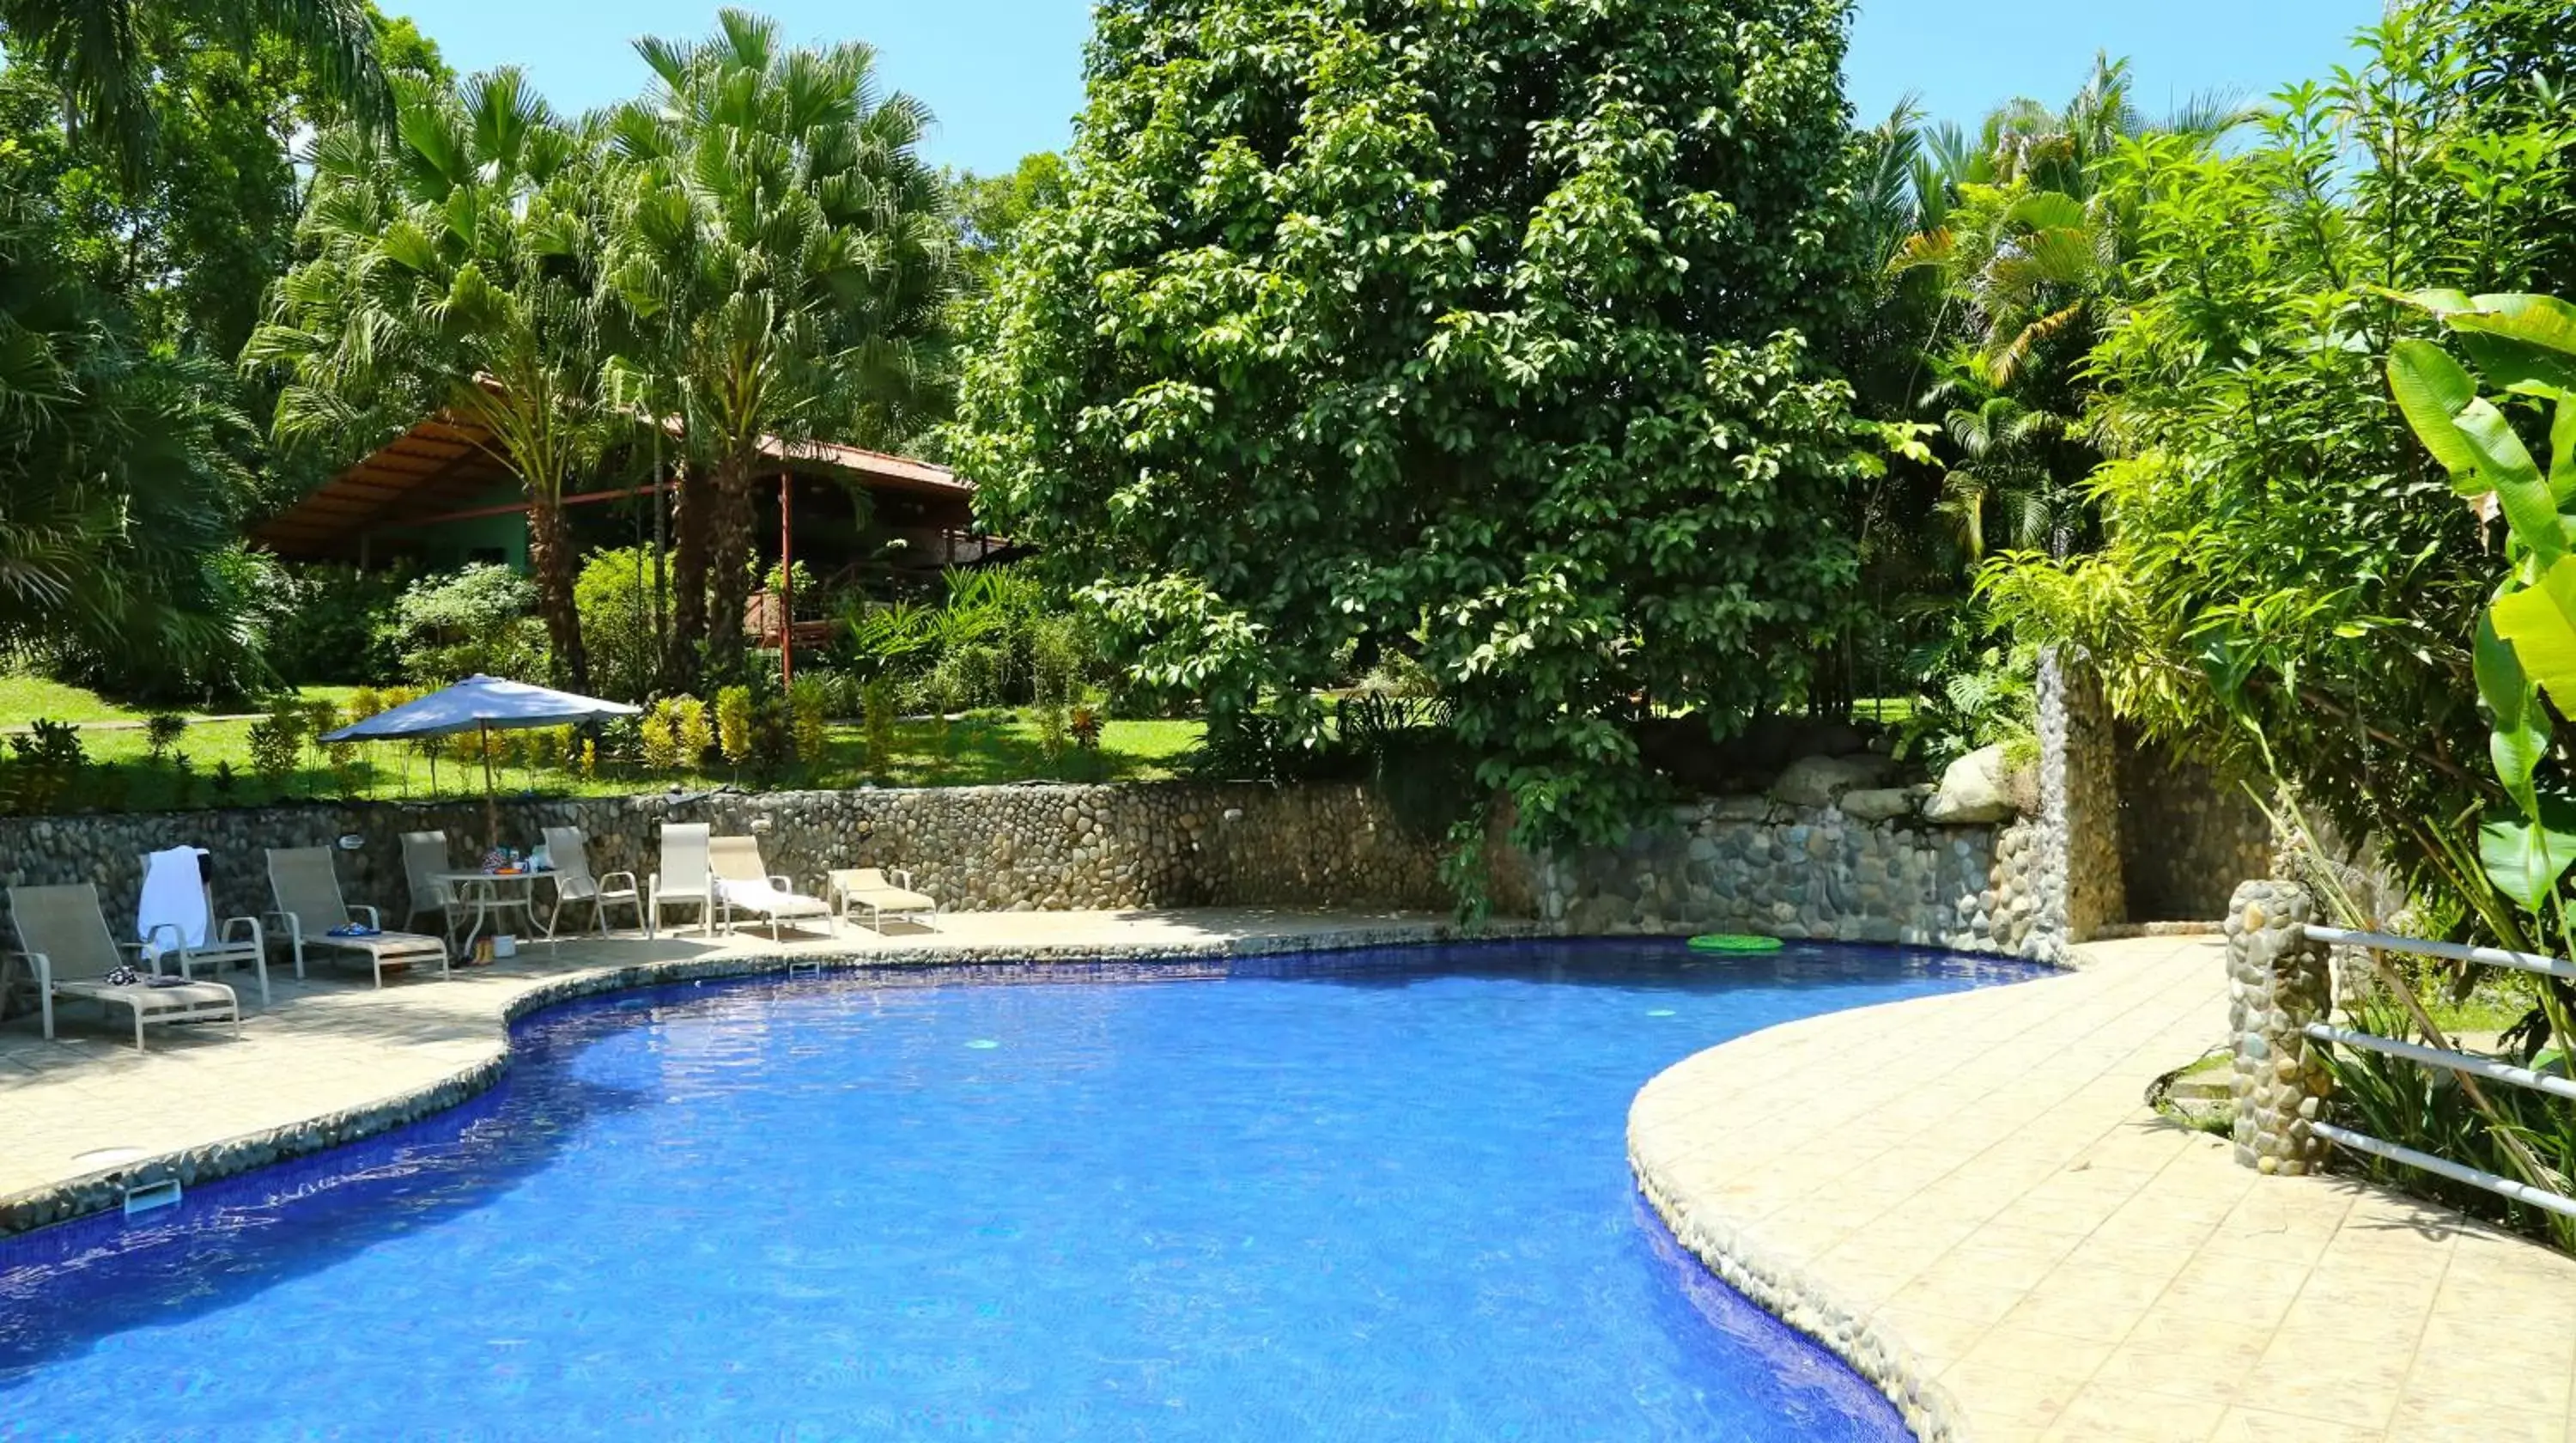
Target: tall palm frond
<point x="779" y="256"/>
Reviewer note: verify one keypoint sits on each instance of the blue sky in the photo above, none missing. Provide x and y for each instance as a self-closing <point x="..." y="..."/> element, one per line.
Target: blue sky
<point x="1005" y="76"/>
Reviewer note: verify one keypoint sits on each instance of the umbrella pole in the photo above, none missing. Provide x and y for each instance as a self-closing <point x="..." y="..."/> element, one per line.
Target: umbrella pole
<point x="491" y="804"/>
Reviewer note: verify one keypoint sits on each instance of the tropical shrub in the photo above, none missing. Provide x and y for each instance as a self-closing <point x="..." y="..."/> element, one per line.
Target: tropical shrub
<point x="982" y="645"/>
<point x="808" y="713"/>
<point x="2288" y="584"/>
<point x="334" y="625"/>
<point x="658" y="738"/>
<point x="615" y="599"/>
<point x="277" y="744"/>
<point x="693" y="728"/>
<point x="43" y="768"/>
<point x="479" y="619"/>
<point x="734" y="718"/>
<point x="161" y="732"/>
<point x="877" y="707"/>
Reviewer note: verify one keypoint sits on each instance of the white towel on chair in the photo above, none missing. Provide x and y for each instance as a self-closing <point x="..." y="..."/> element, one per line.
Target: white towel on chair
<point x="174" y="896"/>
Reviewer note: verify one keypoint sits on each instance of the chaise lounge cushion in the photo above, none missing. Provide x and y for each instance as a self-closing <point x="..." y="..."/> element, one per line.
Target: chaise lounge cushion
<point x="767" y="900"/>
<point x="145" y="998"/>
<point x="867" y="887"/>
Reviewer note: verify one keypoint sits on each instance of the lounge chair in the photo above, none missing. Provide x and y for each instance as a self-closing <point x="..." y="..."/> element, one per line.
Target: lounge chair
<point x="569" y="853"/>
<point x="64" y="938"/>
<point x="853" y="887"/>
<point x="742" y="884"/>
<point x="424" y="857"/>
<point x="310" y="910"/>
<point x="683" y="877"/>
<point x="176" y="919"/>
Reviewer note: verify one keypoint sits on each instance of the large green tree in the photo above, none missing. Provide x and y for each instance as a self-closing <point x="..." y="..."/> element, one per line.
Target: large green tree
<point x="120" y="485"/>
<point x="146" y="201"/>
<point x="781" y="255"/>
<point x="105" y="56"/>
<point x="1471" y="332"/>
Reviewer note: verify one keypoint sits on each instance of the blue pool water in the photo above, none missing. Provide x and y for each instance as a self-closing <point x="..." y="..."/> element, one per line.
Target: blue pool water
<point x="1369" y="1196"/>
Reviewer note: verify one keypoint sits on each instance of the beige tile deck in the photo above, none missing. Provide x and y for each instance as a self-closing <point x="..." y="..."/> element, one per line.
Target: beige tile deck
<point x="1970" y="1188"/>
<point x="88" y="1103"/>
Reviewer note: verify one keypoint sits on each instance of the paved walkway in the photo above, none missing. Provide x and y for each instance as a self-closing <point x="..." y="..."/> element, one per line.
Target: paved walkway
<point x="1967" y="1195"/>
<point x="333" y="1058"/>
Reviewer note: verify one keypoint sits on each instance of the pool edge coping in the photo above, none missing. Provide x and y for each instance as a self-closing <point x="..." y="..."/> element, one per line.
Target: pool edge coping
<point x="1779" y="1284"/>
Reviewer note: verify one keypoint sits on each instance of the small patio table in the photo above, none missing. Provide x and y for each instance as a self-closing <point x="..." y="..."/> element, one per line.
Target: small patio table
<point x="494" y="893"/>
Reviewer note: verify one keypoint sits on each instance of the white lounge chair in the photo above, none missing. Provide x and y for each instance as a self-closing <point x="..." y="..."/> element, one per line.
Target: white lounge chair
<point x="852" y="887"/>
<point x="683" y="876"/>
<point x="175" y="917"/>
<point x="310" y="910"/>
<point x="742" y="884"/>
<point x="63" y="937"/>
<point x="424" y="857"/>
<point x="568" y="851"/>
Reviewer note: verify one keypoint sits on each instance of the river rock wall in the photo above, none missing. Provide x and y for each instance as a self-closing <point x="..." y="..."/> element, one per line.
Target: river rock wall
<point x="974" y="848"/>
<point x="2188" y="835"/>
<point x="1752" y="864"/>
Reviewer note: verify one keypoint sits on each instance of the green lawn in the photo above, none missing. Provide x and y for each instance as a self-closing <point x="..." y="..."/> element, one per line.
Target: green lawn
<point x="25" y="699"/>
<point x="980" y="748"/>
<point x="986" y="748"/>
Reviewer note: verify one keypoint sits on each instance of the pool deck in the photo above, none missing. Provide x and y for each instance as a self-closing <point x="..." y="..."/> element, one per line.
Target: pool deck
<point x="1967" y="1197"/>
<point x="332" y="1058"/>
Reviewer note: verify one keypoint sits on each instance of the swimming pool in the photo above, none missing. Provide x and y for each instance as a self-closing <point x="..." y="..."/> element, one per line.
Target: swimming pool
<point x="1376" y="1195"/>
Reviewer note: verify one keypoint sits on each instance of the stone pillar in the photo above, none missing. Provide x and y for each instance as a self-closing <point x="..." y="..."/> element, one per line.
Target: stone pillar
<point x="2278" y="981"/>
<point x="2079" y="800"/>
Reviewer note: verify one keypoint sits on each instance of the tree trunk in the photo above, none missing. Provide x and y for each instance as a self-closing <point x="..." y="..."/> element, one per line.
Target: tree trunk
<point x="550" y="556"/>
<point x="692" y="497"/>
<point x="728" y="569"/>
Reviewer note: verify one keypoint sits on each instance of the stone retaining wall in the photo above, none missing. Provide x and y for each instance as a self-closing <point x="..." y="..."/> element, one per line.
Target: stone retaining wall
<point x="2187" y="835"/>
<point x="975" y="848"/>
<point x="1749" y="864"/>
<point x="1787" y="864"/>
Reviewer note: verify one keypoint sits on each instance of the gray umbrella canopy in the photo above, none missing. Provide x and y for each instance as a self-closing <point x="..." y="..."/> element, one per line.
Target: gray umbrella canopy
<point x="480" y="703"/>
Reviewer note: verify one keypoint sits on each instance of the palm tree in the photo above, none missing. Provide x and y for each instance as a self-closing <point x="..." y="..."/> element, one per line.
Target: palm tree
<point x="2017" y="223"/>
<point x="2023" y="242"/>
<point x="96" y="51"/>
<point x="781" y="255"/>
<point x="457" y="271"/>
<point x="2006" y="470"/>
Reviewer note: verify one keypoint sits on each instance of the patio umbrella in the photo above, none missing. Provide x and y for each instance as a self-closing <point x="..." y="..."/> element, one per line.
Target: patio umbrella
<point x="481" y="704"/>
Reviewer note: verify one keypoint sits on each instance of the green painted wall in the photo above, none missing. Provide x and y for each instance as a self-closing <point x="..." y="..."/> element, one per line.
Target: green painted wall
<point x="454" y="543"/>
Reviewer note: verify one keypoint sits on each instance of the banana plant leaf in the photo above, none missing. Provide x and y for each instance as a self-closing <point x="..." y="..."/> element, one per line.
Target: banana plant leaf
<point x="2540" y="622"/>
<point x="2526" y="859"/>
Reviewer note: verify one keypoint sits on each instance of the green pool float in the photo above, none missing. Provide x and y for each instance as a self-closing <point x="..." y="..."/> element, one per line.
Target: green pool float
<point x="1733" y="942"/>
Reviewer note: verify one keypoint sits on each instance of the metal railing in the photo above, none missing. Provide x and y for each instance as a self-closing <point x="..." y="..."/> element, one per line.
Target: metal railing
<point x="2485" y="1069"/>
